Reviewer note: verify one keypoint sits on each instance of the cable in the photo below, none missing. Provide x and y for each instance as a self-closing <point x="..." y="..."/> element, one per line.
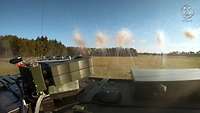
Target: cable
<point x="39" y="101"/>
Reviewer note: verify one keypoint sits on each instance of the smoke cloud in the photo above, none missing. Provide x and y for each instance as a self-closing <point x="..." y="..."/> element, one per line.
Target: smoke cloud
<point x="160" y="39"/>
<point x="124" y="38"/>
<point x="101" y="40"/>
<point x="78" y="39"/>
<point x="80" y="42"/>
<point x="192" y="33"/>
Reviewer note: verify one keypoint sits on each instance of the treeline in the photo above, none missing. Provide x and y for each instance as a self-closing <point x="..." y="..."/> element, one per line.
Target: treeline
<point x="11" y="45"/>
<point x="190" y="53"/>
<point x="102" y="51"/>
<point x="175" y="53"/>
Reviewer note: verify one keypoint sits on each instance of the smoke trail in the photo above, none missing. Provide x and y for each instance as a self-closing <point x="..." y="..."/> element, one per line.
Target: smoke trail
<point x="78" y="39"/>
<point x="101" y="40"/>
<point x="160" y="39"/>
<point x="80" y="42"/>
<point x="192" y="33"/>
<point x="124" y="38"/>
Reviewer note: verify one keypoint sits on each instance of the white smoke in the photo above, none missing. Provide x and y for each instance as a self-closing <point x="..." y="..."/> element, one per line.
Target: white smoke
<point x="124" y="38"/>
<point x="101" y="40"/>
<point x="160" y="39"/>
<point x="79" y="40"/>
<point x="192" y="33"/>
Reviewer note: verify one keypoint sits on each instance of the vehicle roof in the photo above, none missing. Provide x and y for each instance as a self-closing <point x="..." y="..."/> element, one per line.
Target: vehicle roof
<point x="150" y="75"/>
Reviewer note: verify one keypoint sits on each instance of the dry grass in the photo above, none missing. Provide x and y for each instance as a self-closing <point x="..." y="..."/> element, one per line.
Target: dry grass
<point x="119" y="67"/>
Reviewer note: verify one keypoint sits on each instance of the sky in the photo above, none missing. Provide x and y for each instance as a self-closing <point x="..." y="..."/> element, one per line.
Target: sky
<point x="147" y="25"/>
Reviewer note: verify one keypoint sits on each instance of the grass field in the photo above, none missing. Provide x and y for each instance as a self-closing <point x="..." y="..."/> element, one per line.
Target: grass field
<point x="120" y="67"/>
